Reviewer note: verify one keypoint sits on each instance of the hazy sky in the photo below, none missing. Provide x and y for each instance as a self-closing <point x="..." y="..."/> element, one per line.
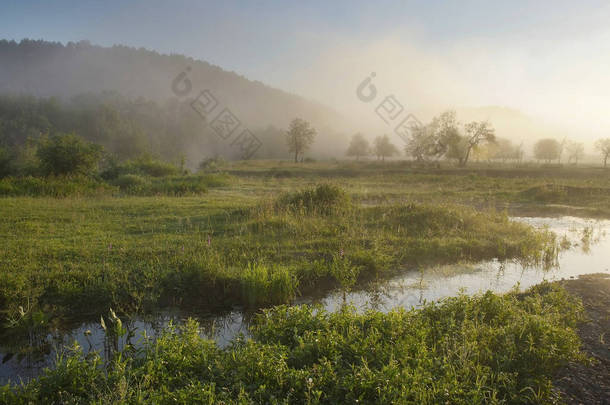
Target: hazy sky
<point x="549" y="59"/>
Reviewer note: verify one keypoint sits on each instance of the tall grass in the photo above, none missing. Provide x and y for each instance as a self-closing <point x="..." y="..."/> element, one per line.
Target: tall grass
<point x="78" y="257"/>
<point x="125" y="184"/>
<point x="463" y="350"/>
<point x="265" y="285"/>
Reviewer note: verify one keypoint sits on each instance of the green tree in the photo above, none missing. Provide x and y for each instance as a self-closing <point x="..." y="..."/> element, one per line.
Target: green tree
<point x="475" y="134"/>
<point x="383" y="147"/>
<point x="358" y="146"/>
<point x="547" y="149"/>
<point x="299" y="137"/>
<point x="5" y="163"/>
<point x="432" y="141"/>
<point x="65" y="154"/>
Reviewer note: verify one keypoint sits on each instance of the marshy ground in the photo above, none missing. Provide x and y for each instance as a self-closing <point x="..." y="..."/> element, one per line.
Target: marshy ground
<point x="264" y="233"/>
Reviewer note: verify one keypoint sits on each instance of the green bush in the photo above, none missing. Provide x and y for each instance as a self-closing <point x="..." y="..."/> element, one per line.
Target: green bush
<point x="325" y="199"/>
<point x="53" y="186"/>
<point x="131" y="182"/>
<point x="463" y="350"/>
<point x="151" y="167"/>
<point x="143" y="166"/>
<point x="264" y="285"/>
<point x="5" y="163"/>
<point x="67" y="154"/>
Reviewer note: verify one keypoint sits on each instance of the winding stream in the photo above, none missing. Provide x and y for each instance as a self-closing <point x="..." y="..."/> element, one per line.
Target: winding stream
<point x="589" y="252"/>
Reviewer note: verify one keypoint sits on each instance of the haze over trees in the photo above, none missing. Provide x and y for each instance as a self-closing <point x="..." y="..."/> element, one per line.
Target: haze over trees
<point x="504" y="149"/>
<point x="382" y="147"/>
<point x="547" y="149"/>
<point x="67" y="154"/>
<point x="80" y="68"/>
<point x="575" y="151"/>
<point x="431" y="141"/>
<point x="358" y="147"/>
<point x="603" y="146"/>
<point x="299" y="137"/>
<point x="475" y="133"/>
<point x="445" y="137"/>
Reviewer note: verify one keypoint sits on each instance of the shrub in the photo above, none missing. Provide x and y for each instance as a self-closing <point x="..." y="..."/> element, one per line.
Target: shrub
<point x="151" y="167"/>
<point x="67" y="155"/>
<point x="265" y="285"/>
<point x="53" y="186"/>
<point x="130" y="182"/>
<point x="143" y="166"/>
<point x="463" y="350"/>
<point x="325" y="199"/>
<point x="5" y="163"/>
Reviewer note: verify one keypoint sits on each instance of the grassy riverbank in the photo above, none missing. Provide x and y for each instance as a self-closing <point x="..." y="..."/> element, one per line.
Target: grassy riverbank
<point x="463" y="350"/>
<point x="78" y="257"/>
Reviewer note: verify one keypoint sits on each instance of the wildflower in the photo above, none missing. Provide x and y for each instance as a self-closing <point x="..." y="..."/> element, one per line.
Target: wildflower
<point x="209" y="241"/>
<point x="341" y="252"/>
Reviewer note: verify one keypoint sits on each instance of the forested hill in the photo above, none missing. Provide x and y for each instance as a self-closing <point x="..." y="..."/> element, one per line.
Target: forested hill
<point x="47" y="69"/>
<point x="124" y="99"/>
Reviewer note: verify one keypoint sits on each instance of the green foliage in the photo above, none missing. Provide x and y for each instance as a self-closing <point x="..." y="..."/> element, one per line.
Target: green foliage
<point x="299" y="137"/>
<point x="131" y="183"/>
<point x="144" y="166"/>
<point x="64" y="186"/>
<point x="67" y="155"/>
<point x="547" y="149"/>
<point x="325" y="199"/>
<point x="382" y="147"/>
<point x="5" y="163"/>
<point x="175" y="186"/>
<point x="463" y="350"/>
<point x="358" y="146"/>
<point x="265" y="285"/>
<point x="137" y="254"/>
<point x="147" y="166"/>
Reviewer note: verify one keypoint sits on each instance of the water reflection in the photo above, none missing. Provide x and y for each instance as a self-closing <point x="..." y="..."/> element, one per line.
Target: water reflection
<point x="586" y="250"/>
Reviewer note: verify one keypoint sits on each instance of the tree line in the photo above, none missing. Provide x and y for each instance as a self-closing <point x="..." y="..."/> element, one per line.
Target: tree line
<point x="445" y="138"/>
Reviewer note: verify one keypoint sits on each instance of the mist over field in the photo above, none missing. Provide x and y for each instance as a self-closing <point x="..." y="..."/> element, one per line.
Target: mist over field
<point x="283" y="202"/>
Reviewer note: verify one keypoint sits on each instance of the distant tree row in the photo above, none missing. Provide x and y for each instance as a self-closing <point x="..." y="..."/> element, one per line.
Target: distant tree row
<point x="444" y="138"/>
<point x="549" y="150"/>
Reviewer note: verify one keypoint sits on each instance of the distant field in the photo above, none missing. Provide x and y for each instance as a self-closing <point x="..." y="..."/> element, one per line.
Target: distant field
<point x="581" y="191"/>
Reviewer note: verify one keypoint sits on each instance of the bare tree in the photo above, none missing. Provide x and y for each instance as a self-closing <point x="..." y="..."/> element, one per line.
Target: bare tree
<point x="299" y="137"/>
<point x="603" y="145"/>
<point x="383" y="147"/>
<point x="358" y="146"/>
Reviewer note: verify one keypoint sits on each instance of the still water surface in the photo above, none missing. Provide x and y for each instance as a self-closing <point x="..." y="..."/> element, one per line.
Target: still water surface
<point x="589" y="253"/>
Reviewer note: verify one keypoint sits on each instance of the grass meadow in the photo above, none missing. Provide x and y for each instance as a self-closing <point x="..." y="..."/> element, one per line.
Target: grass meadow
<point x="260" y="234"/>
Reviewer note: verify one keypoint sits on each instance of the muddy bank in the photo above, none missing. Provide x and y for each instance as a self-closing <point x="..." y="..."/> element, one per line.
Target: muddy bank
<point x="590" y="384"/>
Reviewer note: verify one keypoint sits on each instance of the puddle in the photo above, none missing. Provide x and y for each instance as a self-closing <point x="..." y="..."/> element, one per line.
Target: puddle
<point x="589" y="252"/>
